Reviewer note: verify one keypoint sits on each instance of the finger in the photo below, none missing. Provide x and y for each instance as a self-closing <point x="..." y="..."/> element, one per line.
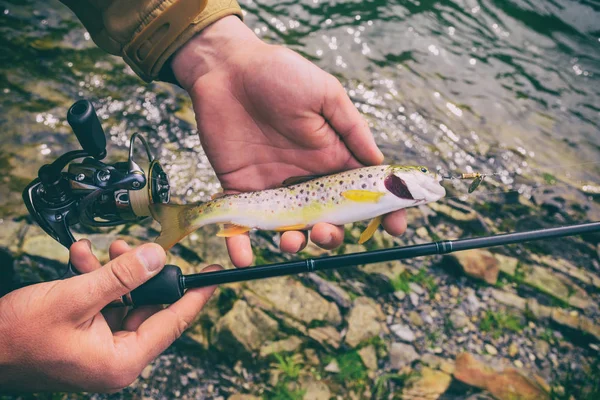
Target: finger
<point x="137" y="316"/>
<point x="240" y="250"/>
<point x="293" y="241"/>
<point x="82" y="258"/>
<point x="117" y="248"/>
<point x="345" y="119"/>
<point x="93" y="291"/>
<point x="114" y="316"/>
<point x="160" y="330"/>
<point x="395" y="223"/>
<point x="327" y="236"/>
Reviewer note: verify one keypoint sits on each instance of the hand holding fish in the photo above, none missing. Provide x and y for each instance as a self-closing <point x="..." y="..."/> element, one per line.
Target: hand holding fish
<point x="261" y="123"/>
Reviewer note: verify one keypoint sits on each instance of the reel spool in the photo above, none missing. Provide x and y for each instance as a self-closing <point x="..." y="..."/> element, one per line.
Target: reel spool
<point x="92" y="192"/>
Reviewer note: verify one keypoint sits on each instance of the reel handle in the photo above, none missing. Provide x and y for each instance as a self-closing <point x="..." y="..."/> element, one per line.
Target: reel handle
<point x="85" y="123"/>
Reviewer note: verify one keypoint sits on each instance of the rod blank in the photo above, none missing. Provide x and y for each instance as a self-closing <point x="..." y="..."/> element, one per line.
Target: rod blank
<point x="369" y="257"/>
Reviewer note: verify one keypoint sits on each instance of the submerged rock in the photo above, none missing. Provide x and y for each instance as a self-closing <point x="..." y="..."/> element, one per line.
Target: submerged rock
<point x="364" y="321"/>
<point x="507" y="384"/>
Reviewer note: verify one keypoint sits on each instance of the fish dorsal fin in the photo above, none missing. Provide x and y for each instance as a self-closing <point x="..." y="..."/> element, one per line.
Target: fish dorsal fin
<point x="363" y="196"/>
<point x="371" y="228"/>
<point x="294" y="180"/>
<point x="230" y="230"/>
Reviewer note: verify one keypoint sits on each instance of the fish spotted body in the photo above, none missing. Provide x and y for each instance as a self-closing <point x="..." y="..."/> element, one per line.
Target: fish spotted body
<point x="342" y="198"/>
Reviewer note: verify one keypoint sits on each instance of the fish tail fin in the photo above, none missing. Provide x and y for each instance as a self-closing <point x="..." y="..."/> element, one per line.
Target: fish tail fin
<point x="176" y="222"/>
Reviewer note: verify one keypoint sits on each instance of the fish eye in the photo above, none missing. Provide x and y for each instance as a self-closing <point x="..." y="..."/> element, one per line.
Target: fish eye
<point x="424" y="170"/>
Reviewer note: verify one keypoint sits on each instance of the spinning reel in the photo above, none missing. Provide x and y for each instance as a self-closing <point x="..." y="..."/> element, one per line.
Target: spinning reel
<point x="91" y="192"/>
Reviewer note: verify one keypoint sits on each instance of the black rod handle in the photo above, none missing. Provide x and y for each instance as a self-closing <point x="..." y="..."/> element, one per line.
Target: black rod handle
<point x="164" y="288"/>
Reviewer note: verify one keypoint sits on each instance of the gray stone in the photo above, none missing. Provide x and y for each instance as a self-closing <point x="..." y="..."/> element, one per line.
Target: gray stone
<point x="332" y="367"/>
<point x="414" y="298"/>
<point x="288" y="345"/>
<point x="315" y="390"/>
<point x="401" y="355"/>
<point x="416" y="288"/>
<point x="403" y="332"/>
<point x="244" y="328"/>
<point x="459" y="319"/>
<point x="296" y="300"/>
<point x="364" y="321"/>
<point x="326" y="335"/>
<point x="368" y="355"/>
<point x="331" y="290"/>
<point x="560" y="287"/>
<point x="429" y="384"/>
<point x="541" y="348"/>
<point x="400" y="295"/>
<point x="389" y="269"/>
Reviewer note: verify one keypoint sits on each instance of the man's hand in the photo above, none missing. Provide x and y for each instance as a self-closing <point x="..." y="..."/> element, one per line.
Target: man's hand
<point x="265" y="114"/>
<point x="55" y="336"/>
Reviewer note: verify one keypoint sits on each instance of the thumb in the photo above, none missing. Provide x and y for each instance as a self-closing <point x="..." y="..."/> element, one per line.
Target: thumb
<point x="350" y="125"/>
<point x="120" y="276"/>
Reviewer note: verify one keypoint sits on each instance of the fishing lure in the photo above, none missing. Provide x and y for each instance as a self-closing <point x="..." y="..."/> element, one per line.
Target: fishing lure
<point x="342" y="198"/>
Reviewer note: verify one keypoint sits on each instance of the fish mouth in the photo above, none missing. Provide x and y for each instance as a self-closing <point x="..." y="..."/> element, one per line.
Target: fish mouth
<point x="435" y="187"/>
<point x="398" y="187"/>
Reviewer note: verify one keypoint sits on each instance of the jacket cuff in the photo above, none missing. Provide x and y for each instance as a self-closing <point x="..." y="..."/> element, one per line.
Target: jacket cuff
<point x="149" y="51"/>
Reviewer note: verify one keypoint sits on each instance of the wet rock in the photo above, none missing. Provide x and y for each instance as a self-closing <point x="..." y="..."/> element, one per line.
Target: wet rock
<point x="403" y="332"/>
<point x="568" y="268"/>
<point x="10" y="232"/>
<point x="507" y="384"/>
<point x="315" y="390"/>
<point x="331" y="290"/>
<point x="368" y="355"/>
<point x="400" y="295"/>
<point x="416" y="288"/>
<point x="513" y="349"/>
<point x="298" y="301"/>
<point x="556" y="286"/>
<point x="414" y="299"/>
<point x="38" y="243"/>
<point x="491" y="350"/>
<point x="453" y="213"/>
<point x="541" y="348"/>
<point x="459" y="318"/>
<point x="439" y="363"/>
<point x="480" y="264"/>
<point x="333" y="367"/>
<point x="429" y="384"/>
<point x="288" y="345"/>
<point x="389" y="270"/>
<point x="244" y="328"/>
<point x="364" y="321"/>
<point x="415" y="319"/>
<point x="507" y="265"/>
<point x="326" y="336"/>
<point x="401" y="355"/>
<point x="243" y="397"/>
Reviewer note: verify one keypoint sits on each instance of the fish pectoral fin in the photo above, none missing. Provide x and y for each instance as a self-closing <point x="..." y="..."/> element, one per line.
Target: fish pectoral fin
<point x="371" y="228"/>
<point x="363" y="196"/>
<point x="217" y="195"/>
<point x="230" y="230"/>
<point x="294" y="180"/>
<point x="297" y="227"/>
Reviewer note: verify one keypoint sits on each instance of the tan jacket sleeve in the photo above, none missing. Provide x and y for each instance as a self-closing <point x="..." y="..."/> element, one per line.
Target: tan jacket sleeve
<point x="147" y="32"/>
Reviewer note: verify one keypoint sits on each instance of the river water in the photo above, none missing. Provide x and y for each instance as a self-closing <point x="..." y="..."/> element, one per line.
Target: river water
<point x="459" y="85"/>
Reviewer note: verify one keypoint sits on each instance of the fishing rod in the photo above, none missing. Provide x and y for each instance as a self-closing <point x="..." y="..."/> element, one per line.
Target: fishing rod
<point x="96" y="194"/>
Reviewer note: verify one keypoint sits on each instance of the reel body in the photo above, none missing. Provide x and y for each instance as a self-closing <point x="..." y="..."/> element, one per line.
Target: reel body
<point x="91" y="192"/>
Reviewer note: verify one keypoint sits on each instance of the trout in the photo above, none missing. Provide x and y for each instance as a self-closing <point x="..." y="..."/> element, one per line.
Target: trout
<point x="342" y="198"/>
